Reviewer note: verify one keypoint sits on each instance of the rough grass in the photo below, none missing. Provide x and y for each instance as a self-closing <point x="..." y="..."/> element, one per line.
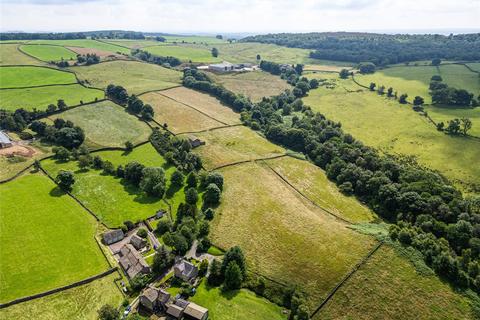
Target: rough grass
<point x="10" y="55"/>
<point x="47" y="238"/>
<point x="458" y="76"/>
<point x="283" y="236"/>
<point x="113" y="200"/>
<point x="184" y="53"/>
<point x="204" y="103"/>
<point x="79" y="303"/>
<point x="255" y="85"/>
<point x="134" y="44"/>
<point x="48" y="53"/>
<point x="178" y="116"/>
<point x="11" y="77"/>
<point x="229" y="145"/>
<point x="247" y="52"/>
<point x="388" y="287"/>
<point x="475" y="66"/>
<point x="41" y="97"/>
<point x="136" y="77"/>
<point x="445" y="114"/>
<point x="107" y="124"/>
<point x="313" y="183"/>
<point x="396" y="129"/>
<point x="85" y="43"/>
<point x="236" y="305"/>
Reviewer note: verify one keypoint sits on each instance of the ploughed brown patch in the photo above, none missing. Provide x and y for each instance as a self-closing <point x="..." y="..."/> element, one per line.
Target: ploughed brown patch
<point x="100" y="53"/>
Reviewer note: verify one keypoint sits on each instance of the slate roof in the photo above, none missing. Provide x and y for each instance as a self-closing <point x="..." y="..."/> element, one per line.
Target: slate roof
<point x="195" y="311"/>
<point x="185" y="269"/>
<point x="112" y="236"/>
<point x="132" y="262"/>
<point x="4" y="138"/>
<point x="138" y="242"/>
<point x="182" y="303"/>
<point x="174" y="311"/>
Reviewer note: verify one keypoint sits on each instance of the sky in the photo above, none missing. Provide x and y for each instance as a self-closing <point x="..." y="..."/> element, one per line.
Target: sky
<point x="236" y="16"/>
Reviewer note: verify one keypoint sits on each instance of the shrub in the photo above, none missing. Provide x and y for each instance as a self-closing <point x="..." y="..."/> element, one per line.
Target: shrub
<point x="142" y="233"/>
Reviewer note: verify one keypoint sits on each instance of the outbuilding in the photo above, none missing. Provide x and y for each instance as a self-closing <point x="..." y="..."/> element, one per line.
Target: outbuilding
<point x="5" y="141"/>
<point x="195" y="312"/>
<point x="113" y="236"/>
<point x="138" y="242"/>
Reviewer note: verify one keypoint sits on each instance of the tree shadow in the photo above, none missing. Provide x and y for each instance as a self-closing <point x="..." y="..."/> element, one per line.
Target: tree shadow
<point x="140" y="196"/>
<point x="229" y="294"/>
<point x="57" y="192"/>
<point x="172" y="189"/>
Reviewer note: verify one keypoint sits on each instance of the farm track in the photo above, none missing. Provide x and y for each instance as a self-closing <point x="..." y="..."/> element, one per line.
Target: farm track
<point x="305" y="196"/>
<point x="345" y="279"/>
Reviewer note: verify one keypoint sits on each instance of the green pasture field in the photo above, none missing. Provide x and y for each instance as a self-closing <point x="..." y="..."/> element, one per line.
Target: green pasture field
<point x="107" y="124"/>
<point x="194" y="39"/>
<point x="313" y="182"/>
<point x="184" y="53"/>
<point x="284" y="236"/>
<point x="41" y="97"/>
<point x="179" y="117"/>
<point x="48" y="53"/>
<point x="255" y="84"/>
<point x="136" y="77"/>
<point x="11" y="77"/>
<point x="229" y="145"/>
<point x="85" y="43"/>
<point x="389" y="287"/>
<point x="80" y="303"/>
<point x="111" y="199"/>
<point x="458" y="76"/>
<point x="475" y="66"/>
<point x="11" y="55"/>
<point x="439" y="114"/>
<point x="236" y="305"/>
<point x="47" y="238"/>
<point x="203" y="103"/>
<point x="396" y="129"/>
<point x="134" y="44"/>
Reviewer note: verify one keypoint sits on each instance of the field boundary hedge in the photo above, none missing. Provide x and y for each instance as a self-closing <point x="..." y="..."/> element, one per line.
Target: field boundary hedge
<point x="304" y="196"/>
<point x="56" y="290"/>
<point x="41" y="86"/>
<point x="340" y="284"/>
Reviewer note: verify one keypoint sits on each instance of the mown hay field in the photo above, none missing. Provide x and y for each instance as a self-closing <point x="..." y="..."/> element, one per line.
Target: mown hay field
<point x="48" y="53"/>
<point x="112" y="199"/>
<point x="11" y="77"/>
<point x="228" y="145"/>
<point x="178" y="116"/>
<point x="284" y="236"/>
<point x="396" y="129"/>
<point x="255" y="85"/>
<point x="80" y="303"/>
<point x="41" y="97"/>
<point x="85" y="43"/>
<point x="389" y="287"/>
<point x="203" y="103"/>
<point x="136" y="77"/>
<point x="183" y="52"/>
<point x="11" y="55"/>
<point x="47" y="238"/>
<point x="313" y="183"/>
<point x="106" y="124"/>
<point x="237" y="305"/>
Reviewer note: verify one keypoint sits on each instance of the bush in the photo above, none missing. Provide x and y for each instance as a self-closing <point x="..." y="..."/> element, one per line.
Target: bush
<point x="142" y="233"/>
<point x="209" y="213"/>
<point x="212" y="195"/>
<point x="163" y="226"/>
<point x="129" y="224"/>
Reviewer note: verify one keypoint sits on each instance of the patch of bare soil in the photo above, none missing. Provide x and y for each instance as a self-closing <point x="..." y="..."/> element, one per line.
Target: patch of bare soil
<point x="18" y="150"/>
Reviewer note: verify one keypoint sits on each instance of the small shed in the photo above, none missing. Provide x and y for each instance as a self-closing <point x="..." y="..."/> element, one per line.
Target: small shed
<point x="195" y="142"/>
<point x="113" y="236"/>
<point x="195" y="312"/>
<point x="138" y="242"/>
<point x="5" y="141"/>
<point x="225" y="66"/>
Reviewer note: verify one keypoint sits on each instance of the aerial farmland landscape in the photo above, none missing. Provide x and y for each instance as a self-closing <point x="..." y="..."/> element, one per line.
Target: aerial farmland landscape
<point x="239" y="160"/>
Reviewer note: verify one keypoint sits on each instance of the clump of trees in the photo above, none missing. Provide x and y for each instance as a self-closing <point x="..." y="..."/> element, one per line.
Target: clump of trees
<point x="133" y="104"/>
<point x="366" y="68"/>
<point x="88" y="59"/>
<point x="65" y="180"/>
<point x="63" y="133"/>
<point x="456" y="126"/>
<point x="162" y="61"/>
<point x="214" y="52"/>
<point x="443" y="94"/>
<point x="117" y="93"/>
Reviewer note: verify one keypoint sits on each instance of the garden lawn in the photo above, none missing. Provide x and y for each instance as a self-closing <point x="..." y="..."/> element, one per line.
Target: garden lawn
<point x="11" y="55"/>
<point x="136" y="77"/>
<point x="80" y="303"/>
<point x="47" y="238"/>
<point x="203" y="103"/>
<point x="41" y="97"/>
<point x="396" y="129"/>
<point x="284" y="237"/>
<point x="445" y="114"/>
<point x="229" y="145"/>
<point x="48" y="53"/>
<point x="85" y="43"/>
<point x="313" y="182"/>
<point x="388" y="287"/>
<point x="112" y="199"/>
<point x="178" y="116"/>
<point x="107" y="124"/>
<point x="184" y="53"/>
<point x="255" y="84"/>
<point x="11" y="77"/>
<point x="236" y="305"/>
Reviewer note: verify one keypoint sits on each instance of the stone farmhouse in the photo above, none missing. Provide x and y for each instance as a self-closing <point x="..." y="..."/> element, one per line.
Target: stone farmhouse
<point x="113" y="236"/>
<point x="132" y="261"/>
<point x="154" y="299"/>
<point x="185" y="271"/>
<point x="183" y="309"/>
<point x="138" y="242"/>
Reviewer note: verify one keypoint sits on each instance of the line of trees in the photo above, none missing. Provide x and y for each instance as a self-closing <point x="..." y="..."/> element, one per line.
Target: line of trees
<point x="166" y="62"/>
<point x="132" y="103"/>
<point x="381" y="49"/>
<point x="397" y="191"/>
